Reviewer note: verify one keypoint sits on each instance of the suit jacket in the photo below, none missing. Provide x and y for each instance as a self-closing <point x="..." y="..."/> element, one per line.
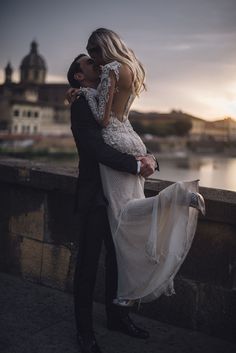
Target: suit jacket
<point x="92" y="149"/>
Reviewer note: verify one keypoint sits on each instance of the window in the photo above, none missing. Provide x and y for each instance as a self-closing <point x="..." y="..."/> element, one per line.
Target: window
<point x="36" y="114"/>
<point x="29" y="114"/>
<point x="15" y="128"/>
<point x="16" y="112"/>
<point x="35" y="129"/>
<point x="28" y="129"/>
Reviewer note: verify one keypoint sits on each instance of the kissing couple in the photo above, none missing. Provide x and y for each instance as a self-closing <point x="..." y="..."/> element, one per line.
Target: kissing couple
<point x="146" y="239"/>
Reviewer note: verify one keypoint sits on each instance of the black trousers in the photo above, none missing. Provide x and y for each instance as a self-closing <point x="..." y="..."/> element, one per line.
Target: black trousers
<point x="94" y="229"/>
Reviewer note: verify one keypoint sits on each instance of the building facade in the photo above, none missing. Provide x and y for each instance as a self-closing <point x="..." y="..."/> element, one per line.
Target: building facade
<point x="218" y="130"/>
<point x="33" y="106"/>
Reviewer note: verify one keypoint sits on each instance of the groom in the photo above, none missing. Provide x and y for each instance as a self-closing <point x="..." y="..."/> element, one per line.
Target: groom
<point x="90" y="203"/>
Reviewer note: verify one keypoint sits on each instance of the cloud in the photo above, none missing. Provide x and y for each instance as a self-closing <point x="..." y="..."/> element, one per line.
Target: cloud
<point x="187" y="46"/>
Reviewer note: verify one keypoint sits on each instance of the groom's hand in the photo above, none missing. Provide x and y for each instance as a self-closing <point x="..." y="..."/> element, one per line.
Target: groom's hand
<point x="148" y="165"/>
<point x="72" y="94"/>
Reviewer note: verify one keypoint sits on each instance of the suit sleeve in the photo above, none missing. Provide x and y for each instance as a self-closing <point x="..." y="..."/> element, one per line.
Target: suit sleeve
<point x="88" y="134"/>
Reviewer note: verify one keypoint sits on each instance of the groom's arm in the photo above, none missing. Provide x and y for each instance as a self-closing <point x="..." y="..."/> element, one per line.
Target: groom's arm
<point x="87" y="134"/>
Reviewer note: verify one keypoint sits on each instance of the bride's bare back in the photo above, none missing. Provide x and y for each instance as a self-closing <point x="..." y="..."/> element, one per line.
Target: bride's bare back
<point x="115" y="92"/>
<point x="122" y="92"/>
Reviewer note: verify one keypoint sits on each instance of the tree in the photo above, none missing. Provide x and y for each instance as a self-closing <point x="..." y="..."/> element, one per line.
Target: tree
<point x="182" y="126"/>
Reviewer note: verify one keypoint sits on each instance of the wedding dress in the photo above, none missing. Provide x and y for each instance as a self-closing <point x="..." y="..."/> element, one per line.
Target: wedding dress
<point x="153" y="235"/>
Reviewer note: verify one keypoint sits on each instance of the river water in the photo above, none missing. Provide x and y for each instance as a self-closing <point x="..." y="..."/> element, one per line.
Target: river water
<point x="213" y="171"/>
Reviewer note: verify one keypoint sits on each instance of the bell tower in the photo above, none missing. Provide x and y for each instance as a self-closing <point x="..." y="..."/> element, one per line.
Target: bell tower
<point x="8" y="73"/>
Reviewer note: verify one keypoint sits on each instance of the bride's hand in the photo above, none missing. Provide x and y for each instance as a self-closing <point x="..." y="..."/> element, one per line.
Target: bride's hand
<point x="72" y="94"/>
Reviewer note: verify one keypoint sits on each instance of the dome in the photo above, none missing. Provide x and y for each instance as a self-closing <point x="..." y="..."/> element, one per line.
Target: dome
<point x="33" y="66"/>
<point x="33" y="59"/>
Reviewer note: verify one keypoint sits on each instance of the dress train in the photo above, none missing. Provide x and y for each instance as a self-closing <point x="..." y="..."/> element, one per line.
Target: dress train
<point x="152" y="236"/>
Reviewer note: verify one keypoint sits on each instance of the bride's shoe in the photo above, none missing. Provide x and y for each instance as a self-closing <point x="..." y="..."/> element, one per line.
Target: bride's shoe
<point x="197" y="201"/>
<point x="124" y="302"/>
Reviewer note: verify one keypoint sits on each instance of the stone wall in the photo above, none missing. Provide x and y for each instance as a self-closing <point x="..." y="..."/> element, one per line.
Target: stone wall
<point x="39" y="241"/>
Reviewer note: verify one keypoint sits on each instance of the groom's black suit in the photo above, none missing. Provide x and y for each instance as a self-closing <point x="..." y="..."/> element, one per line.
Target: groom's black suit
<point x="90" y="203"/>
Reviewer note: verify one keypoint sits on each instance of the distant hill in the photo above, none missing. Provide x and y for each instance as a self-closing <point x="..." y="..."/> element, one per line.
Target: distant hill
<point x="150" y="117"/>
<point x="175" y="123"/>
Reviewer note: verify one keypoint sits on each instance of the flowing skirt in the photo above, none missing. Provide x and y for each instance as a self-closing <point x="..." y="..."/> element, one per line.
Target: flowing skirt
<point x="152" y="236"/>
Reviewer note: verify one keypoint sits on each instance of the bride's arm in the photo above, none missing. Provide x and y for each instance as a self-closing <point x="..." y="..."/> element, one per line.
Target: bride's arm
<point x="101" y="109"/>
<point x="105" y="98"/>
<point x="88" y="136"/>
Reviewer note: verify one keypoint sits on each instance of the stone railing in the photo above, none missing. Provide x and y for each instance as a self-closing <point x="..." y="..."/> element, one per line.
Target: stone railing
<point x="38" y="241"/>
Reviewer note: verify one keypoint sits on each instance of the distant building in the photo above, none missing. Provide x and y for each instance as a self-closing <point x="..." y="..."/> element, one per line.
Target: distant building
<point x="218" y="130"/>
<point x="33" y="106"/>
<point x="198" y="128"/>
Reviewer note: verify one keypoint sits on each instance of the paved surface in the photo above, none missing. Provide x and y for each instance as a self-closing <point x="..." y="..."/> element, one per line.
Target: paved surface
<point x="38" y="319"/>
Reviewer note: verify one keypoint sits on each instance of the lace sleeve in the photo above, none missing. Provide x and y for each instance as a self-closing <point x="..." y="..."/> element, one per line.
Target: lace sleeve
<point x="91" y="96"/>
<point x="101" y="108"/>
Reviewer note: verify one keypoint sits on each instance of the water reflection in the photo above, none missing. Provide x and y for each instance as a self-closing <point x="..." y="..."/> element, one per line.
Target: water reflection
<point x="213" y="171"/>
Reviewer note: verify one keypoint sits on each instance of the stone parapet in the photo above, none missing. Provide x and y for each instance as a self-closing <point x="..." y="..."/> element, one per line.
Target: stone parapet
<point x="39" y="241"/>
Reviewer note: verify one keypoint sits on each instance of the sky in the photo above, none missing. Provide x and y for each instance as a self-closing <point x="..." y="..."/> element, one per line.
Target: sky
<point x="188" y="47"/>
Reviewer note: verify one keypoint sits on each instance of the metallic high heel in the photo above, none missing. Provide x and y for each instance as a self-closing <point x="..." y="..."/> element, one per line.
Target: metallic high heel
<point x="197" y="201"/>
<point x="124" y="302"/>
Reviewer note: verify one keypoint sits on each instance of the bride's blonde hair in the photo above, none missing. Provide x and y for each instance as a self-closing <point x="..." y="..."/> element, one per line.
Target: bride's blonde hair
<point x="111" y="47"/>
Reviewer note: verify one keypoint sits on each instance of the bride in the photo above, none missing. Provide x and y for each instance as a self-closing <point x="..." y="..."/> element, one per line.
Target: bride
<point x="152" y="236"/>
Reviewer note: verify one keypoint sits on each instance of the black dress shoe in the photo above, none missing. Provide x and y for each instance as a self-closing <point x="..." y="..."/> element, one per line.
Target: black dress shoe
<point x="125" y="324"/>
<point x="87" y="343"/>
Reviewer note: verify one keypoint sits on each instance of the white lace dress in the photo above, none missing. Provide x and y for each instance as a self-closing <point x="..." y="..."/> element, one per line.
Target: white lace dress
<point x="152" y="236"/>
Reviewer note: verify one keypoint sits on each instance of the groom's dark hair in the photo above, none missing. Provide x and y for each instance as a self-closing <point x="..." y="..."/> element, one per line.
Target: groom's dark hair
<point x="73" y="69"/>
